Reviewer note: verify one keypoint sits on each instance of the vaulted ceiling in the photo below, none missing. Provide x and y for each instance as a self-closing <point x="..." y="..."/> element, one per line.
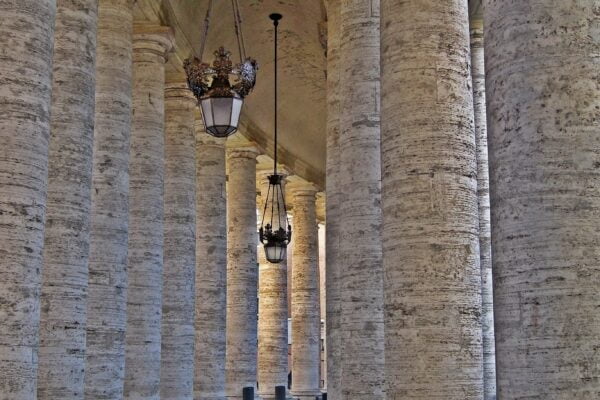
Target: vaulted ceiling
<point x="302" y="70"/>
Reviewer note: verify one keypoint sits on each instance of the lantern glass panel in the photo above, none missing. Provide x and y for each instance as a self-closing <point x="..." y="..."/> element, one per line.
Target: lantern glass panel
<point x="221" y="115"/>
<point x="275" y="253"/>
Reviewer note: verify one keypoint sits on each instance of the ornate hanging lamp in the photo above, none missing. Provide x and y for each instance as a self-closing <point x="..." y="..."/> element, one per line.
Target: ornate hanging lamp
<point x="275" y="230"/>
<point x="222" y="87"/>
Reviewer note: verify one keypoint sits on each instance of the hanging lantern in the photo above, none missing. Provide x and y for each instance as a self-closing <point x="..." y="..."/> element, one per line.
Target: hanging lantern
<point x="222" y="87"/>
<point x="275" y="231"/>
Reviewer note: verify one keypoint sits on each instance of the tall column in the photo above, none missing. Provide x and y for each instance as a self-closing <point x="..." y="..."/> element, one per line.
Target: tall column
<point x="66" y="243"/>
<point x="321" y="212"/>
<point x="177" y="337"/>
<point x="429" y="197"/>
<point x="483" y="195"/>
<point x="334" y="201"/>
<point x="27" y="37"/>
<point x="211" y="266"/>
<point x="242" y="271"/>
<point x="543" y="95"/>
<point x="145" y="258"/>
<point x="272" y="311"/>
<point x="361" y="276"/>
<point x="107" y="284"/>
<point x="306" y="320"/>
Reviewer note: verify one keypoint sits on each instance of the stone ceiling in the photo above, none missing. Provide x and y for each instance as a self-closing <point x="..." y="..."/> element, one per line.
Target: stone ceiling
<point x="302" y="82"/>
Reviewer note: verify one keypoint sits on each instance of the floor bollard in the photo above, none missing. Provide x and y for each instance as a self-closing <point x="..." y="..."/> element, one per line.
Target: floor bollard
<point x="280" y="393"/>
<point x="324" y="396"/>
<point x="248" y="393"/>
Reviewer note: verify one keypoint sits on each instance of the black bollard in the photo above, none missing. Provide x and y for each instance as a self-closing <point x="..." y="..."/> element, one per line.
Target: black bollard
<point x="324" y="396"/>
<point x="280" y="393"/>
<point x="248" y="393"/>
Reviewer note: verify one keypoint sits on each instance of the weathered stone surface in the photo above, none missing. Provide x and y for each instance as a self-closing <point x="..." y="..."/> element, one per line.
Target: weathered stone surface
<point x="543" y="95"/>
<point x="306" y="320"/>
<point x="177" y="337"/>
<point x="242" y="271"/>
<point x="107" y="294"/>
<point x="66" y="242"/>
<point x="145" y="258"/>
<point x="483" y="195"/>
<point x="211" y="266"/>
<point x="429" y="196"/>
<point x="361" y="272"/>
<point x="334" y="200"/>
<point x="272" y="310"/>
<point x="26" y="40"/>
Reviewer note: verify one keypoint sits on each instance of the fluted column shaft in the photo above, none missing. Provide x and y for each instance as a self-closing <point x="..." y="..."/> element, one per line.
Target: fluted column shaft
<point x="334" y="201"/>
<point x="211" y="266"/>
<point x="145" y="258"/>
<point x="26" y="37"/>
<point x="107" y="284"/>
<point x="272" y="312"/>
<point x="66" y="243"/>
<point x="242" y="271"/>
<point x="429" y="196"/>
<point x="177" y="337"/>
<point x="361" y="274"/>
<point x="483" y="195"/>
<point x="543" y="96"/>
<point x="306" y="320"/>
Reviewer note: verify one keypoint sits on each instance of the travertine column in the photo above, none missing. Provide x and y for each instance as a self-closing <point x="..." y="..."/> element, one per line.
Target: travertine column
<point x="145" y="258"/>
<point x="211" y="266"/>
<point x="306" y="321"/>
<point x="66" y="243"/>
<point x="361" y="272"/>
<point x="429" y="197"/>
<point x="272" y="311"/>
<point x="483" y="195"/>
<point x="177" y="338"/>
<point x="107" y="294"/>
<point x="543" y="91"/>
<point x="321" y="212"/>
<point x="334" y="201"/>
<point x="26" y="39"/>
<point x="242" y="271"/>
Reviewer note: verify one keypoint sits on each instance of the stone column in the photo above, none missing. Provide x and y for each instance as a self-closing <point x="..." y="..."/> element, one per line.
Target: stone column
<point x="321" y="212"/>
<point x="543" y="102"/>
<point x="483" y="195"/>
<point x="272" y="311"/>
<point x="361" y="274"/>
<point x="334" y="201"/>
<point x="177" y="336"/>
<point x="26" y="35"/>
<point x="211" y="266"/>
<point x="145" y="259"/>
<point x="242" y="271"/>
<point x="107" y="294"/>
<point x="66" y="243"/>
<point x="429" y="197"/>
<point x="306" y="321"/>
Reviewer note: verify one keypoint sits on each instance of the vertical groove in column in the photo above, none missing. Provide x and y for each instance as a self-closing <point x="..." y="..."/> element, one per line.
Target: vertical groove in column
<point x="211" y="266"/>
<point x="306" y="320"/>
<point x="242" y="271"/>
<point x="177" y="339"/>
<point x="66" y="243"/>
<point x="27" y="30"/>
<point x="334" y="350"/>
<point x="361" y="277"/>
<point x="483" y="196"/>
<point x="107" y="284"/>
<point x="429" y="174"/>
<point x="145" y="258"/>
<point x="543" y="95"/>
<point x="273" y="313"/>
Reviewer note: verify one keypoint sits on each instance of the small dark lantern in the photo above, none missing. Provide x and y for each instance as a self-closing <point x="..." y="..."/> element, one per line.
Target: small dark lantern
<point x="222" y="87"/>
<point x="275" y="230"/>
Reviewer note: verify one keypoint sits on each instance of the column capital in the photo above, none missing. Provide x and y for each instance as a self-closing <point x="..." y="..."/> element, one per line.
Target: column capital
<point x="153" y="39"/>
<point x="178" y="92"/>
<point x="243" y="151"/>
<point x="321" y="202"/>
<point x="298" y="187"/>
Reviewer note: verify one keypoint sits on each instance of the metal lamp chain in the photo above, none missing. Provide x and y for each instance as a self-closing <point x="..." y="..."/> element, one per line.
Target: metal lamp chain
<point x="239" y="34"/>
